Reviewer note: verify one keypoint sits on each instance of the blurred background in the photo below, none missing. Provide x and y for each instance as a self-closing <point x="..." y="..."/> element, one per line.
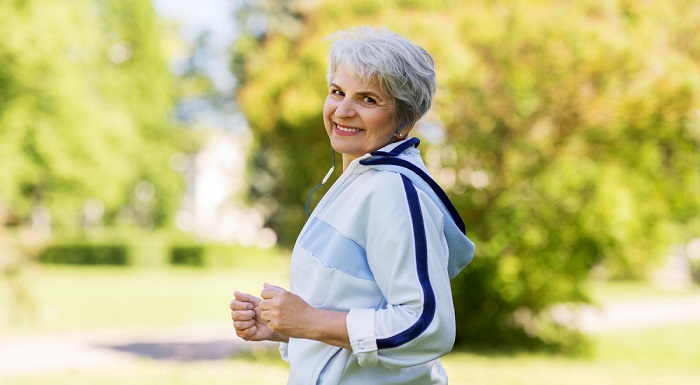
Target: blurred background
<point x="157" y="155"/>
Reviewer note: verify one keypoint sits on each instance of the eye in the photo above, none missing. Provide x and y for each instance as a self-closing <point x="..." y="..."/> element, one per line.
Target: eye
<point x="336" y="92"/>
<point x="369" y="100"/>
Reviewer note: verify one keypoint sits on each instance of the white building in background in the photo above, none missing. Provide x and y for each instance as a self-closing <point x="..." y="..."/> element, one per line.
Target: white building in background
<point x="213" y="206"/>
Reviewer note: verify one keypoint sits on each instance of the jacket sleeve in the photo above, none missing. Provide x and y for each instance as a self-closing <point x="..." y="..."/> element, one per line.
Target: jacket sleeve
<point x="407" y="254"/>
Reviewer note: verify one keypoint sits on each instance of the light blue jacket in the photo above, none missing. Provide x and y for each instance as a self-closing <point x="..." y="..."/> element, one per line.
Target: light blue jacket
<point x="383" y="244"/>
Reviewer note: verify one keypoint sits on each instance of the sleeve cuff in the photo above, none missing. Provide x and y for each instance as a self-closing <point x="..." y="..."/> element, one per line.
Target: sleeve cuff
<point x="283" y="351"/>
<point x="360" y="324"/>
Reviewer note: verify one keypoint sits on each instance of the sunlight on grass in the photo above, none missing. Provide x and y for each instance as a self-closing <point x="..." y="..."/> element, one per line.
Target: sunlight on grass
<point x="239" y="372"/>
<point x="82" y="298"/>
<point x="619" y="360"/>
<point x="532" y="369"/>
<point x="646" y="356"/>
<point x="673" y="346"/>
<point x="614" y="291"/>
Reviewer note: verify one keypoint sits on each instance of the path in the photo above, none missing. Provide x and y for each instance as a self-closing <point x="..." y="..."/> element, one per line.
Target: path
<point x="23" y="355"/>
<point x="640" y="314"/>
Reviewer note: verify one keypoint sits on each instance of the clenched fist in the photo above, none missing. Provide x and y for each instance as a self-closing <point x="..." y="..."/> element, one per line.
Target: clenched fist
<point x="285" y="312"/>
<point x="247" y="320"/>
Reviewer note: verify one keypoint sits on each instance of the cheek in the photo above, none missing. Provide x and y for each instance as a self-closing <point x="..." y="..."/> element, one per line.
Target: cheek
<point x="328" y="109"/>
<point x="387" y="123"/>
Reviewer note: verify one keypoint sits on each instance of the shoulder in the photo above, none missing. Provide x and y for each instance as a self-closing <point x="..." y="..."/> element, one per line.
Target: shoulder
<point x="381" y="180"/>
<point x="391" y="196"/>
<point x="373" y="194"/>
<point x="382" y="189"/>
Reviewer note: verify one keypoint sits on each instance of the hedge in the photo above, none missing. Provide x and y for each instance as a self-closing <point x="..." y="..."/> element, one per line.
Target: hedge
<point x="190" y="255"/>
<point x="85" y="254"/>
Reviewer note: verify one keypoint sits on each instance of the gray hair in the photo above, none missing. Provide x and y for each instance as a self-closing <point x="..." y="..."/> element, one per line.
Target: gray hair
<point x="403" y="70"/>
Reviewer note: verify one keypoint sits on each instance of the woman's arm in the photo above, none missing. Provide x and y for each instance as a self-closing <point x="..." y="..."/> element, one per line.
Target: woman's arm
<point x="407" y="252"/>
<point x="288" y="314"/>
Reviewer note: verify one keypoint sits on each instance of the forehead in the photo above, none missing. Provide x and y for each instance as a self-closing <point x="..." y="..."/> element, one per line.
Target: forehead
<point x="345" y="76"/>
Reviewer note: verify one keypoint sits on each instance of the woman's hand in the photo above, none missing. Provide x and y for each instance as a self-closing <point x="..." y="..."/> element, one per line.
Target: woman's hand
<point x="280" y="314"/>
<point x="284" y="312"/>
<point x="247" y="320"/>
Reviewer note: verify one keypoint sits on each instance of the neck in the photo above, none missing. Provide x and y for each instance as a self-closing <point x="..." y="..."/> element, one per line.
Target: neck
<point x="347" y="159"/>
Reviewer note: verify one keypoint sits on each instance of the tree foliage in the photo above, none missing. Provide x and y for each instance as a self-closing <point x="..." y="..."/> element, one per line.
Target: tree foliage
<point x="85" y="104"/>
<point x="565" y="132"/>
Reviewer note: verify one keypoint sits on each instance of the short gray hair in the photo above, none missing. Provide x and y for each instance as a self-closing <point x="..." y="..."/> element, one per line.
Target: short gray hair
<point x="403" y="70"/>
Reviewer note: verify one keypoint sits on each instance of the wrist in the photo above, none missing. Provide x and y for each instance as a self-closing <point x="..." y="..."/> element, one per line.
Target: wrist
<point x="277" y="337"/>
<point x="327" y="326"/>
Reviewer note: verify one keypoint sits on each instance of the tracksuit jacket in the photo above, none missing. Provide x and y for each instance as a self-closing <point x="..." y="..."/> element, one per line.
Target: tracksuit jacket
<point x="383" y="244"/>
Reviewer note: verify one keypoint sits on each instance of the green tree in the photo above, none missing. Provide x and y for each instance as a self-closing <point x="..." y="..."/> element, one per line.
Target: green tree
<point x="573" y="134"/>
<point x="583" y="131"/>
<point x="85" y="104"/>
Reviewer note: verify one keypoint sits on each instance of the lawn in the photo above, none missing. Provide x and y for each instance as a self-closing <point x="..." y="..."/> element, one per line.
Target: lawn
<point x="615" y="291"/>
<point x="618" y="362"/>
<point x="84" y="298"/>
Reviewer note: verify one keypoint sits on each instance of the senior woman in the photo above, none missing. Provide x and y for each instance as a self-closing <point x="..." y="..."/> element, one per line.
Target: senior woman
<point x="369" y="299"/>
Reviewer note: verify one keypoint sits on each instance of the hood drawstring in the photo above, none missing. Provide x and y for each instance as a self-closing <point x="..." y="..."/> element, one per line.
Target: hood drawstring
<point x="325" y="179"/>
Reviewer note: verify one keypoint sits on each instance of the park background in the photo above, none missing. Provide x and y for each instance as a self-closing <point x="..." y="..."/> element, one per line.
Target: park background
<point x="149" y="167"/>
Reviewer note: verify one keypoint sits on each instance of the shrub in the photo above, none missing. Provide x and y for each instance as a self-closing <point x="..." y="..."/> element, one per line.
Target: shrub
<point x="190" y="255"/>
<point x="85" y="254"/>
<point x="694" y="270"/>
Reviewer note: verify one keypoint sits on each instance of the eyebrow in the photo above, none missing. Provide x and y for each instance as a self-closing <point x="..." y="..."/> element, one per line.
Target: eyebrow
<point x="364" y="93"/>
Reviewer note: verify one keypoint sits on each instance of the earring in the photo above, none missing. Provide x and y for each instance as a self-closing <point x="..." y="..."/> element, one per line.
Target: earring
<point x="399" y="135"/>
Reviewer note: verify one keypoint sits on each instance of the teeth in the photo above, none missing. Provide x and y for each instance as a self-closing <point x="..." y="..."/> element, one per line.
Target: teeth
<point x="347" y="129"/>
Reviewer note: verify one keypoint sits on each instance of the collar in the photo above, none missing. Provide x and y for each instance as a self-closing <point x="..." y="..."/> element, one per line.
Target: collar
<point x="395" y="149"/>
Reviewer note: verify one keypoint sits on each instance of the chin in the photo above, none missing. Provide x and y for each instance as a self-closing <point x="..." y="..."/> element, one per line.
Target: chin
<point x="343" y="147"/>
<point x="339" y="147"/>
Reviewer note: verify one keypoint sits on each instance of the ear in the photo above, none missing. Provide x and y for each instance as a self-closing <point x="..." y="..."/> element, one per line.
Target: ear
<point x="404" y="131"/>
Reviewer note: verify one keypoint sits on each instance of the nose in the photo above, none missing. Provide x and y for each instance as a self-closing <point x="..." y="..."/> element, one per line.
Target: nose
<point x="345" y="109"/>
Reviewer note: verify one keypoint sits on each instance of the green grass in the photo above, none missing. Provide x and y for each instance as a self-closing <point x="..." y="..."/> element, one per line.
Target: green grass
<point x="533" y="369"/>
<point x="82" y="298"/>
<point x="238" y="372"/>
<point x="614" y="291"/>
<point x="674" y="347"/>
<point x="657" y="356"/>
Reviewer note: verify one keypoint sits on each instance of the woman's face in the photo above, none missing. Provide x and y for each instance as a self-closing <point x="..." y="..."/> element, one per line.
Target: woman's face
<point x="358" y="116"/>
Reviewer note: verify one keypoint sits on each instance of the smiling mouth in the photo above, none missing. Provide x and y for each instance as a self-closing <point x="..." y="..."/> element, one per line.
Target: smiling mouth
<point x="347" y="129"/>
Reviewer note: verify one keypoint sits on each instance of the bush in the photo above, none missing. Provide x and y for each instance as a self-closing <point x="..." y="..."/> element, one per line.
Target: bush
<point x="694" y="269"/>
<point x="85" y="254"/>
<point x="189" y="255"/>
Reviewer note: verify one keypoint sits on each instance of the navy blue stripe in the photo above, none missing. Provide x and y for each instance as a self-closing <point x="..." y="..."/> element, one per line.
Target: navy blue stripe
<point x="413" y="142"/>
<point x="436" y="188"/>
<point x="421" y="246"/>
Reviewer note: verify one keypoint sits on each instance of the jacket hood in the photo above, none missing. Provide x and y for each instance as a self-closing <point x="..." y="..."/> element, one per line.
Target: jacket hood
<point x="403" y="157"/>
